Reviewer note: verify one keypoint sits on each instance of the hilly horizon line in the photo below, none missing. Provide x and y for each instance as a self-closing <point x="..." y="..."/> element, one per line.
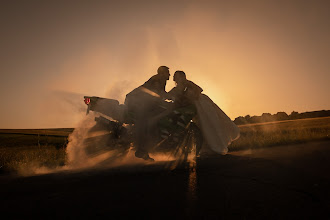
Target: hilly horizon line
<point x="285" y="112"/>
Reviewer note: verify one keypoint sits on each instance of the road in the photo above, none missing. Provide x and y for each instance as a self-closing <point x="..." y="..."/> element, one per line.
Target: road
<point x="284" y="182"/>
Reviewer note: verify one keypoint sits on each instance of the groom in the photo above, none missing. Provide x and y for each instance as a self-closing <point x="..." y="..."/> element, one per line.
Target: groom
<point x="142" y="103"/>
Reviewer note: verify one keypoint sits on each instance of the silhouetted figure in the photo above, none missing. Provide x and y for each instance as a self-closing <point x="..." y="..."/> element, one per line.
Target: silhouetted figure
<point x="143" y="103"/>
<point x="217" y="128"/>
<point x="185" y="92"/>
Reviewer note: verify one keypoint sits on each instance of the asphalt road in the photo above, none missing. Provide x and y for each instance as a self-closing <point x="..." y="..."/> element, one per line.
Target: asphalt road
<point x="286" y="182"/>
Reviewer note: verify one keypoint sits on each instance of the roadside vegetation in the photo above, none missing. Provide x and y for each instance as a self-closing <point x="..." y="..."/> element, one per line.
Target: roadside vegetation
<point x="282" y="133"/>
<point x="31" y="159"/>
<point x="24" y="151"/>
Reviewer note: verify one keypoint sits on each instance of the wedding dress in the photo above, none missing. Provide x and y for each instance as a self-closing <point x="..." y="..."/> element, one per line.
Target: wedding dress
<point x="217" y="128"/>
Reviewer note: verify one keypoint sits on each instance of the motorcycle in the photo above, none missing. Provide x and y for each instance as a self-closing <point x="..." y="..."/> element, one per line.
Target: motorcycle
<point x="176" y="133"/>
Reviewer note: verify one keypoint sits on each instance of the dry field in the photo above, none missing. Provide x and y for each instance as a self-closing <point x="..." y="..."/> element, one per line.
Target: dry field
<point x="21" y="150"/>
<point x="282" y="133"/>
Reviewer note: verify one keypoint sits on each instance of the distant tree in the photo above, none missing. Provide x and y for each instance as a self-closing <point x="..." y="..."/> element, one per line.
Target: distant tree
<point x="279" y="116"/>
<point x="265" y="117"/>
<point x="240" y="120"/>
<point x="255" y="119"/>
<point x="294" y="115"/>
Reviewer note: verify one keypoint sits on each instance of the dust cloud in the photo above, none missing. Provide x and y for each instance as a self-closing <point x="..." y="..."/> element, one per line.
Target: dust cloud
<point x="106" y="156"/>
<point x="86" y="150"/>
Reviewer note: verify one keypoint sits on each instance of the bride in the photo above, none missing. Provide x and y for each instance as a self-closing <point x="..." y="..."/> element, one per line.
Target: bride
<point x="217" y="128"/>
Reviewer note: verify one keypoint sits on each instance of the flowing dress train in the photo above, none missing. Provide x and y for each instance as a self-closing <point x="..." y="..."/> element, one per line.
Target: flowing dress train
<point x="217" y="128"/>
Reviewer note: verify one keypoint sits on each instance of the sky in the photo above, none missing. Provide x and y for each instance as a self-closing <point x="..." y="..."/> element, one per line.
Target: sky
<point x="250" y="57"/>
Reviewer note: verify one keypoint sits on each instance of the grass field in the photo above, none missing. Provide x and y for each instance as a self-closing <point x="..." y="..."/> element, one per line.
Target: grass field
<point x="282" y="133"/>
<point x="23" y="150"/>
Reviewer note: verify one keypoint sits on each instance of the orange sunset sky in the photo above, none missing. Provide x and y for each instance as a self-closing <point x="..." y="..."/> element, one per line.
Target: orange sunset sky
<point x="249" y="56"/>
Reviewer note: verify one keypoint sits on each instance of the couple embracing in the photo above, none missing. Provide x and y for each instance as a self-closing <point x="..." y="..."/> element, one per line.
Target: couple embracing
<point x="147" y="103"/>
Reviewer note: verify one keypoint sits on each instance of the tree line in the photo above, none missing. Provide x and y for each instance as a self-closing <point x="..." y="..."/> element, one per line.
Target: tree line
<point x="280" y="116"/>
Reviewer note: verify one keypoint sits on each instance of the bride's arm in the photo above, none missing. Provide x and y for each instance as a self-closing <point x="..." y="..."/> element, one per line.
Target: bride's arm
<point x="193" y="91"/>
